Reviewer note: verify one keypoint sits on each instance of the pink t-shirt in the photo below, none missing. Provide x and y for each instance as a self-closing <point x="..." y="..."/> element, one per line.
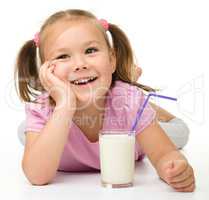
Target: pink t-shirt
<point x="122" y="103"/>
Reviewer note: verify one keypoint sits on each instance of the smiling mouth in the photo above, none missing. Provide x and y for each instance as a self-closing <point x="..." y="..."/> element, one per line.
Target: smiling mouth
<point x="84" y="81"/>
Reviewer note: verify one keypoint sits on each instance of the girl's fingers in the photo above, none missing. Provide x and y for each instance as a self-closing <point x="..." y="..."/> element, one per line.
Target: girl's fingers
<point x="182" y="176"/>
<point x="52" y="68"/>
<point x="178" y="168"/>
<point x="41" y="77"/>
<point x="43" y="74"/>
<point x="51" y="77"/>
<point x="185" y="183"/>
<point x="189" y="188"/>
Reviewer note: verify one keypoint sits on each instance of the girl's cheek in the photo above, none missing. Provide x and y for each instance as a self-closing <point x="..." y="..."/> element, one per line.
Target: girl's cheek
<point x="61" y="70"/>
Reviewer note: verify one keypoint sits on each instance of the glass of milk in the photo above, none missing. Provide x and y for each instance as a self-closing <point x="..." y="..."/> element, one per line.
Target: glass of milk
<point x="117" y="158"/>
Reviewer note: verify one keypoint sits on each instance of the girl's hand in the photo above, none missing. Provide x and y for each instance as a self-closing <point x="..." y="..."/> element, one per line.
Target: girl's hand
<point x="59" y="90"/>
<point x="179" y="175"/>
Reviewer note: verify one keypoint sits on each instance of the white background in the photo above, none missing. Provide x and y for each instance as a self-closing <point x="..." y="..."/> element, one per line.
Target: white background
<point x="171" y="43"/>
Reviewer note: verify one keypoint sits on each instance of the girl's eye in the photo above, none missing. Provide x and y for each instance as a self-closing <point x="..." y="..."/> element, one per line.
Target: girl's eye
<point x="91" y="50"/>
<point x="64" y="56"/>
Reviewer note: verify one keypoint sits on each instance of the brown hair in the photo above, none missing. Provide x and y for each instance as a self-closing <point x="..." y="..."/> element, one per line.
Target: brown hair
<point x="26" y="72"/>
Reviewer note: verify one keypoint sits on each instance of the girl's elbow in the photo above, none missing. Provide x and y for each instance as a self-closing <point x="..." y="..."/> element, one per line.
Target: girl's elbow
<point x="39" y="179"/>
<point x="38" y="182"/>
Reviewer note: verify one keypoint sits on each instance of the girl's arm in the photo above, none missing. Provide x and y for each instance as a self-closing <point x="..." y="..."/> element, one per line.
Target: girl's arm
<point x="43" y="150"/>
<point x="162" y="114"/>
<point x="169" y="163"/>
<point x="43" y="153"/>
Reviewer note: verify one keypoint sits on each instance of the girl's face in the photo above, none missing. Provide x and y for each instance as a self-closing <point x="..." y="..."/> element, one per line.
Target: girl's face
<point x="81" y="56"/>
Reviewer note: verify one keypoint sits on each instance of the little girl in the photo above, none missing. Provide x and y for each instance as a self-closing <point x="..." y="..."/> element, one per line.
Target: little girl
<point x="80" y="71"/>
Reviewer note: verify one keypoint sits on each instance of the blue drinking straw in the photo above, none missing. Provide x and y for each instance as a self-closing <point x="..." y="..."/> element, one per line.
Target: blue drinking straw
<point x="140" y="111"/>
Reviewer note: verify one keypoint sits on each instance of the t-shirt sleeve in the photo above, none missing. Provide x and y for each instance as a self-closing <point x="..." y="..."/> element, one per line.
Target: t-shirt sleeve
<point x="148" y="115"/>
<point x="36" y="117"/>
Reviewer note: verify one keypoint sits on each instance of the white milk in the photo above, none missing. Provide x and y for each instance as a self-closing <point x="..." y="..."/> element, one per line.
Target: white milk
<point x="117" y="159"/>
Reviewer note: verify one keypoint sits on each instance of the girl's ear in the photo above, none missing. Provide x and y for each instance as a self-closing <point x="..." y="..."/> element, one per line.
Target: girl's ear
<point x="113" y="60"/>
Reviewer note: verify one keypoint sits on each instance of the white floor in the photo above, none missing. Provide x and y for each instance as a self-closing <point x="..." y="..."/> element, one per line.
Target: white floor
<point x="67" y="186"/>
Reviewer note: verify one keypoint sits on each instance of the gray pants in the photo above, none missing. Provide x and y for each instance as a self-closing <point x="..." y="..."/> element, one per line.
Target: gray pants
<point x="176" y="129"/>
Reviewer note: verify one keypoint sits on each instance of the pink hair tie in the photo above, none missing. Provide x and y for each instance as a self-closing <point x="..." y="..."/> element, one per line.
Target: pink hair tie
<point x="104" y="24"/>
<point x="36" y="39"/>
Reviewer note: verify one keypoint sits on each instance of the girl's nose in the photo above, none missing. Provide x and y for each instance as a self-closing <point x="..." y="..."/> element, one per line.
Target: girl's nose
<point x="79" y="63"/>
<point x="78" y="68"/>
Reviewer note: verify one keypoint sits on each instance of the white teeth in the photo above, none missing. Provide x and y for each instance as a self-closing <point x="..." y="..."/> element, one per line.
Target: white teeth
<point x="83" y="80"/>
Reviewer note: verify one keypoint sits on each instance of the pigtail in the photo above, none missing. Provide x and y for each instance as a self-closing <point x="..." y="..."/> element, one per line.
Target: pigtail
<point x="26" y="73"/>
<point x="124" y="58"/>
